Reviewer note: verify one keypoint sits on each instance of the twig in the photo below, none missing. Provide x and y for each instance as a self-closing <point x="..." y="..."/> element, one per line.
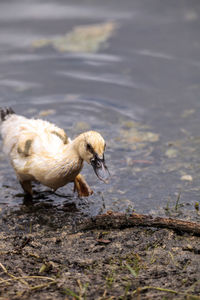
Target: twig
<point x="112" y="220"/>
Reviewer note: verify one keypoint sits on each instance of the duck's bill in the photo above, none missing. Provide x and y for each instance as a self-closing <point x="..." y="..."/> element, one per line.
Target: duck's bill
<point x="100" y="169"/>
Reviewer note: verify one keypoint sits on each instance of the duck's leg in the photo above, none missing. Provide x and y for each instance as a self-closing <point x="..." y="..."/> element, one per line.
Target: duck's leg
<point x="81" y="186"/>
<point x="26" y="185"/>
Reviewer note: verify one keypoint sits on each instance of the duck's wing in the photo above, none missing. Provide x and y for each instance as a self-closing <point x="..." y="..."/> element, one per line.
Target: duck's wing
<point x="31" y="136"/>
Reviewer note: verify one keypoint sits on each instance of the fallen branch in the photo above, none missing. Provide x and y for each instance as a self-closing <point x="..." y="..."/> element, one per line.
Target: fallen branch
<point x="112" y="220"/>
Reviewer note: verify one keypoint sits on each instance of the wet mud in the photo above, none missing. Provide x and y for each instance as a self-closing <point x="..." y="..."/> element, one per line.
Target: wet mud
<point x="45" y="256"/>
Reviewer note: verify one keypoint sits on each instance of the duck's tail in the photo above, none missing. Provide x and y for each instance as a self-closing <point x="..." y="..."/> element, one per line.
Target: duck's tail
<point x="5" y="113"/>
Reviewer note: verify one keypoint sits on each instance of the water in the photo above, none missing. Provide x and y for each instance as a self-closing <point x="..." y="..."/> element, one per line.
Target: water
<point x="140" y="90"/>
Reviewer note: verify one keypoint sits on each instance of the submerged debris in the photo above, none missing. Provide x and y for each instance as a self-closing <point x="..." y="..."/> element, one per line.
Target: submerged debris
<point x="171" y="153"/>
<point x="87" y="38"/>
<point x="136" y="135"/>
<point x="80" y="127"/>
<point x="47" y="112"/>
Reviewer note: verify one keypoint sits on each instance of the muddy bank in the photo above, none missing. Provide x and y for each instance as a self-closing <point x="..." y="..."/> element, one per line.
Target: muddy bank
<point x="44" y="257"/>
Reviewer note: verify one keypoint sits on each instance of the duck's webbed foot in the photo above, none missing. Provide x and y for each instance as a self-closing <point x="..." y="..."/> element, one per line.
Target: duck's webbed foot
<point x="81" y="186"/>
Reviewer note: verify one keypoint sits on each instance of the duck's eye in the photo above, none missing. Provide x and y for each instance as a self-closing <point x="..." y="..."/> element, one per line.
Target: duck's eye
<point x="92" y="160"/>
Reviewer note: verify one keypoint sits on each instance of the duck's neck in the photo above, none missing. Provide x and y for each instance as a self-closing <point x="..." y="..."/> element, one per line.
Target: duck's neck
<point x="70" y="158"/>
<point x="77" y="144"/>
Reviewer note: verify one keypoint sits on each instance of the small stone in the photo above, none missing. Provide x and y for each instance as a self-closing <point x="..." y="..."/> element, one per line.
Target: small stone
<point x="171" y="153"/>
<point x="186" y="177"/>
<point x="188" y="247"/>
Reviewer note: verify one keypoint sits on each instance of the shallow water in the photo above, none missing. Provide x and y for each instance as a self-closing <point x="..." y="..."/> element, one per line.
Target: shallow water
<point x="140" y="89"/>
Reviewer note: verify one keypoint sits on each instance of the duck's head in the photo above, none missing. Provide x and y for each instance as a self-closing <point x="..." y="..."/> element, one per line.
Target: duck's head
<point x="91" y="149"/>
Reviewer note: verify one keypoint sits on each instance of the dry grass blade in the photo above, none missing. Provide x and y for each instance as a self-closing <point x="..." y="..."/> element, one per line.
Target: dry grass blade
<point x="26" y="277"/>
<point x="40" y="286"/>
<point x="138" y="290"/>
<point x="12" y="276"/>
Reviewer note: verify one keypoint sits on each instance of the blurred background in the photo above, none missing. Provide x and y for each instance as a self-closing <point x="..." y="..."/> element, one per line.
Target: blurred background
<point x="129" y="69"/>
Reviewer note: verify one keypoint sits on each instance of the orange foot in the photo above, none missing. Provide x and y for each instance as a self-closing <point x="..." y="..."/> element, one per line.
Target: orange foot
<point x="81" y="186"/>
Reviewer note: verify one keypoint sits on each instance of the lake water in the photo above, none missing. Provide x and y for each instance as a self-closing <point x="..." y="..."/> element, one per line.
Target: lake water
<point x="139" y="86"/>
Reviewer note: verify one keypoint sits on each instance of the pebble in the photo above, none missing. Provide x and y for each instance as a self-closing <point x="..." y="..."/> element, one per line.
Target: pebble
<point x="186" y="177"/>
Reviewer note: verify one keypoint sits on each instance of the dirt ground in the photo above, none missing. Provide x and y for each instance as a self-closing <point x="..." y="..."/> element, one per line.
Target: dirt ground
<point x="44" y="256"/>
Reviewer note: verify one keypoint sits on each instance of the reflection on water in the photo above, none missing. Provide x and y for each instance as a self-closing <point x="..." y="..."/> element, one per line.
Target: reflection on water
<point x="140" y="90"/>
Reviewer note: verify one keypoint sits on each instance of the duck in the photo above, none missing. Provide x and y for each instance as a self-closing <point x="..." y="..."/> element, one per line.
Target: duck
<point x="41" y="151"/>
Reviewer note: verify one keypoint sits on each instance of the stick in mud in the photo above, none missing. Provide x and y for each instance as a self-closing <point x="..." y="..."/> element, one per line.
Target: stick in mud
<point x="112" y="220"/>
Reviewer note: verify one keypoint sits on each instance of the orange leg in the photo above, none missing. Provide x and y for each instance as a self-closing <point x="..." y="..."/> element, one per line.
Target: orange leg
<point x="81" y="186"/>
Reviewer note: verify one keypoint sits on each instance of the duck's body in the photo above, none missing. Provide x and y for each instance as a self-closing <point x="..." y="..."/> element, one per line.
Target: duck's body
<point x="39" y="150"/>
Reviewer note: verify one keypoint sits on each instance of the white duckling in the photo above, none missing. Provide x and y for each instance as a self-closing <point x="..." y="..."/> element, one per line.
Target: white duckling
<point x="40" y="151"/>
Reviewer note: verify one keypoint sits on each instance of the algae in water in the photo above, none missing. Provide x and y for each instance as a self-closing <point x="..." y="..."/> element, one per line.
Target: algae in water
<point x="87" y="38"/>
